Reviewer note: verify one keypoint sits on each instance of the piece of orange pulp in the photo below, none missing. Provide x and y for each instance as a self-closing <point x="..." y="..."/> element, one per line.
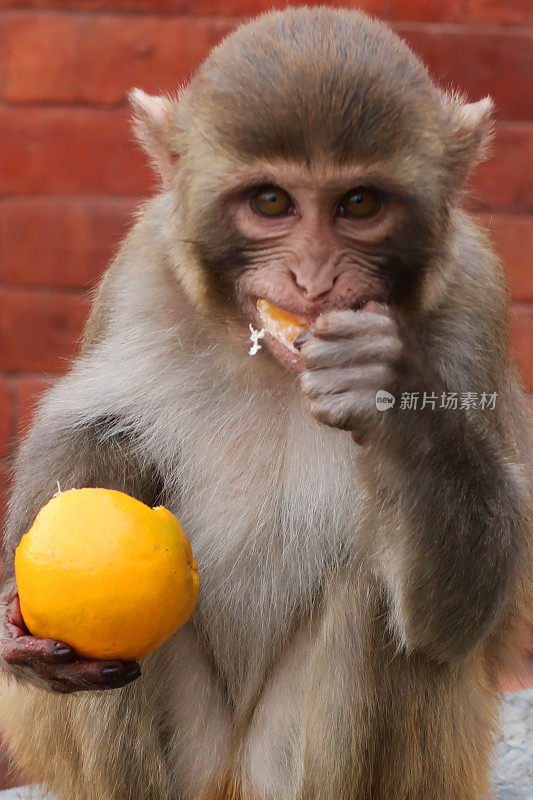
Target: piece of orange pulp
<point x="281" y="324"/>
<point x="277" y="314"/>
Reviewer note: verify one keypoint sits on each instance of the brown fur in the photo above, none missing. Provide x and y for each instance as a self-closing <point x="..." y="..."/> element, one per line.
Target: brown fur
<point x="355" y="610"/>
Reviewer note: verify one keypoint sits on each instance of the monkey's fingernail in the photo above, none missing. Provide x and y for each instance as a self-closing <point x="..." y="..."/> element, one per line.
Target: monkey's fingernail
<point x="111" y="672"/>
<point x="62" y="652"/>
<point x="130" y="673"/>
<point x="299" y="341"/>
<point x="116" y="677"/>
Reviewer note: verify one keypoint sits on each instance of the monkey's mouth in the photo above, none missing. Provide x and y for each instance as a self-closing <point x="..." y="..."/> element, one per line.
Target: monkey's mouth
<point x="280" y="324"/>
<point x="281" y="329"/>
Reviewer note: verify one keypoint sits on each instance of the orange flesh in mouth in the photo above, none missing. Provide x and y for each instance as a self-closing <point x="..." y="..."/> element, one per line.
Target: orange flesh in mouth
<point x="266" y="308"/>
<point x="279" y="323"/>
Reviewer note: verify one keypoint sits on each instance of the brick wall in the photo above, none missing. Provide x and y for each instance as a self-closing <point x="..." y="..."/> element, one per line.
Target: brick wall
<point x="70" y="174"/>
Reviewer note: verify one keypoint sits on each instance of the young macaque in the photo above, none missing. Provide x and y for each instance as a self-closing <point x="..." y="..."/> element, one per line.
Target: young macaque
<point x="364" y="573"/>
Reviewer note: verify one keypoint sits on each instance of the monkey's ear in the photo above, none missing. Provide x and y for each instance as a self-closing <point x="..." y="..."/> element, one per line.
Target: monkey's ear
<point x="152" y="123"/>
<point x="471" y="129"/>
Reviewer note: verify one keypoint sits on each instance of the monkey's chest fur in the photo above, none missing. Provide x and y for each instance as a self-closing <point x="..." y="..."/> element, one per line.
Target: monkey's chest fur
<point x="270" y="502"/>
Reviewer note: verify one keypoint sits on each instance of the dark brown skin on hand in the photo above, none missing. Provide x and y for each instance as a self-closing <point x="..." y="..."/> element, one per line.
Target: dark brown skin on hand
<point x="46" y="663"/>
<point x="358" y="603"/>
<point x="56" y="663"/>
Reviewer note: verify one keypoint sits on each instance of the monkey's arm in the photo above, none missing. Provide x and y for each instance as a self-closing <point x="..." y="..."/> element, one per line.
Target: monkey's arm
<point x="62" y="453"/>
<point x="450" y="540"/>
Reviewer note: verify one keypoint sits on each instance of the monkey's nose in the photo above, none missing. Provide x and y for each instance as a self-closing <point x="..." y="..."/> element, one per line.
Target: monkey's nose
<point x="314" y="286"/>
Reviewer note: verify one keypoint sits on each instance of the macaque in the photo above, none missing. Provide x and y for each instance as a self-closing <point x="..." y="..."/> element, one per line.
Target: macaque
<point x="365" y="573"/>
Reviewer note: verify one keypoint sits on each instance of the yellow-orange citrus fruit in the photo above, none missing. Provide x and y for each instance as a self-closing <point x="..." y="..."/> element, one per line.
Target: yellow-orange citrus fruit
<point x="278" y="314"/>
<point x="105" y="573"/>
<point x="280" y="323"/>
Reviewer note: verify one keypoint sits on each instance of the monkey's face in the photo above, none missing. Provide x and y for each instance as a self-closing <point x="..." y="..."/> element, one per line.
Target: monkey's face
<point x="318" y="168"/>
<point x="309" y="241"/>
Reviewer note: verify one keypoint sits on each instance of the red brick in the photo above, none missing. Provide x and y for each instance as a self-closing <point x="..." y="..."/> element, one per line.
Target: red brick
<point x="166" y="7"/>
<point x="60" y="241"/>
<point x="70" y="150"/>
<point x="221" y="8"/>
<point x="504" y="182"/>
<point x="426" y="10"/>
<point x="139" y="6"/>
<point x="93" y="58"/>
<point x="498" y="12"/>
<point x="39" y="330"/>
<point x="462" y="11"/>
<point x="513" y="237"/>
<point x="98" y="58"/>
<point x="6" y="418"/>
<point x="27" y="392"/>
<point x="522" y="330"/>
<point x="498" y="63"/>
<point x="475" y="11"/>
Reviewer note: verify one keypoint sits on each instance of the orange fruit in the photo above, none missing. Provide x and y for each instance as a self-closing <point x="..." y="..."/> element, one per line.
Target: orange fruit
<point x="280" y="323"/>
<point x="285" y="318"/>
<point x="106" y="574"/>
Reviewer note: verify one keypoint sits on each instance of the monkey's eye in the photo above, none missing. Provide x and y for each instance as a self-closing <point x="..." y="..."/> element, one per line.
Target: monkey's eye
<point x="270" y="201"/>
<point x="359" y="203"/>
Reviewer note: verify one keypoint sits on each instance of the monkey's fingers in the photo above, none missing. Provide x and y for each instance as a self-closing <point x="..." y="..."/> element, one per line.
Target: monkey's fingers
<point x="346" y="324"/>
<point x="20" y="646"/>
<point x="57" y="663"/>
<point x="370" y="348"/>
<point x="329" y="382"/>
<point x="15" y="625"/>
<point x="85" y="675"/>
<point x="350" y="411"/>
<point x="375" y="307"/>
<point x="21" y="650"/>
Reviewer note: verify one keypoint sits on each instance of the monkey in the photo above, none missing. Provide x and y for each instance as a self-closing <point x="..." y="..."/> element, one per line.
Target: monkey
<point x="365" y="573"/>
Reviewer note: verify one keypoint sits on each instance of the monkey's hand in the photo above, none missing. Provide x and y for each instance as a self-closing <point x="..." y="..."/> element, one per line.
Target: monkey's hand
<point x="53" y="665"/>
<point x="347" y="357"/>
